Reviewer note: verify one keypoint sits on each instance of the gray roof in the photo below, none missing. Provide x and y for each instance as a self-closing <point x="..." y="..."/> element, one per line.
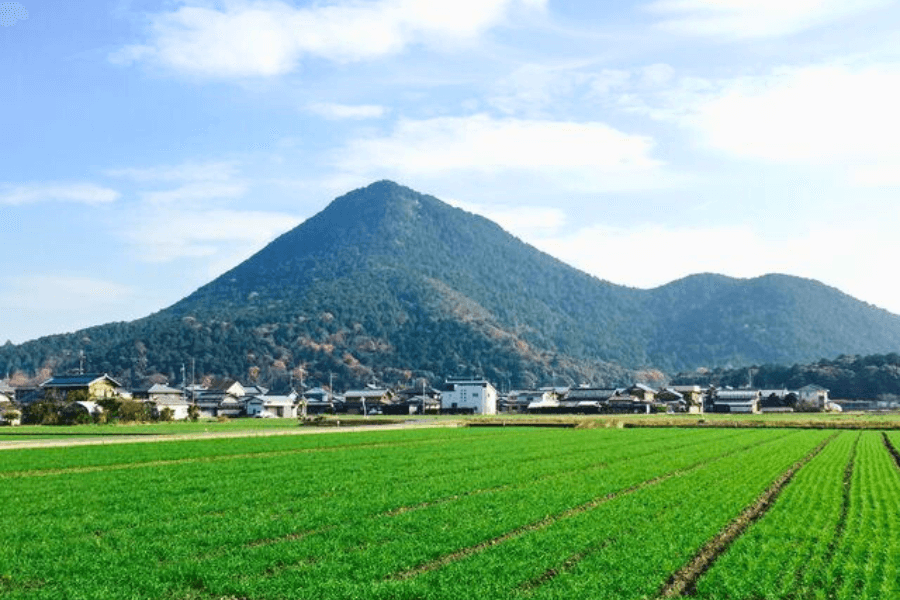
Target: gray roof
<point x="642" y="387"/>
<point x="737" y="395"/>
<point x="273" y="400"/>
<point x="64" y="381"/>
<point x="591" y="393"/>
<point x="159" y="388"/>
<point x="365" y="393"/>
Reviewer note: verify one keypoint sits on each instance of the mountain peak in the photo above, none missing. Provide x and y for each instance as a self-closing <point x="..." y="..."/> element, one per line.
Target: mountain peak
<point x="386" y="281"/>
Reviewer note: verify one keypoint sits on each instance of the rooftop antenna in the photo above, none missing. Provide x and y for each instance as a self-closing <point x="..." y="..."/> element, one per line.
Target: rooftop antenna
<point x="81" y="363"/>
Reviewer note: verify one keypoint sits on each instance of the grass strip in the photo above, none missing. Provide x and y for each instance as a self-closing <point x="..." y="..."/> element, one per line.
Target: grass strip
<point x="685" y="579"/>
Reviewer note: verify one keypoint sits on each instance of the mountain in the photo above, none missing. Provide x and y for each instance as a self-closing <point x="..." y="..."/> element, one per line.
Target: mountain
<point x="389" y="283"/>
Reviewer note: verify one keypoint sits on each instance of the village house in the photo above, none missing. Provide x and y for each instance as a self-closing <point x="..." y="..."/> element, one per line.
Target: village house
<point x="627" y="403"/>
<point x="693" y="396"/>
<point x="546" y="400"/>
<point x="283" y="407"/>
<point x="319" y="401"/>
<point x="468" y="395"/>
<point x="589" y="400"/>
<point x="814" y="396"/>
<point x="735" y="401"/>
<point x="673" y="399"/>
<point x="223" y="398"/>
<point x="642" y="392"/>
<point x="371" y="400"/>
<point x="162" y="397"/>
<point x="9" y="412"/>
<point x="96" y="386"/>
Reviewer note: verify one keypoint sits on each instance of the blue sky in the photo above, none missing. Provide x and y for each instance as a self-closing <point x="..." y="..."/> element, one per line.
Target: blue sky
<point x="148" y="146"/>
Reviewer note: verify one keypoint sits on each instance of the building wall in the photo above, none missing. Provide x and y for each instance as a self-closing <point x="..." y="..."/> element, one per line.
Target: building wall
<point x="479" y="396"/>
<point x="102" y="389"/>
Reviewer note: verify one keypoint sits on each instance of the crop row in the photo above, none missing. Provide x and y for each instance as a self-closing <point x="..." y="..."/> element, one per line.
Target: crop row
<point x="834" y="534"/>
<point x="146" y="532"/>
<point x="366" y="557"/>
<point x="625" y="548"/>
<point x="36" y="460"/>
<point x="780" y="554"/>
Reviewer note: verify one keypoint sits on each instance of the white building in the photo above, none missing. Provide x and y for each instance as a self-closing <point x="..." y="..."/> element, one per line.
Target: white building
<point x="813" y="395"/>
<point x="284" y="407"/>
<point x="469" y="395"/>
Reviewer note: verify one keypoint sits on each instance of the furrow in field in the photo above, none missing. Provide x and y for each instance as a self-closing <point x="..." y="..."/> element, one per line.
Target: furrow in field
<point x="890" y="448"/>
<point x="621" y="549"/>
<point x="546" y="476"/>
<point x="546" y="522"/>
<point x="846" y="488"/>
<point x="540" y="467"/>
<point x="684" y="580"/>
<point x="555" y="474"/>
<point x="834" y="535"/>
<point x="551" y="519"/>
<point x="363" y="550"/>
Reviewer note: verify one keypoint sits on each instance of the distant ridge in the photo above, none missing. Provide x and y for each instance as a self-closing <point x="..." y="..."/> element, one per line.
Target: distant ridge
<point x="389" y="283"/>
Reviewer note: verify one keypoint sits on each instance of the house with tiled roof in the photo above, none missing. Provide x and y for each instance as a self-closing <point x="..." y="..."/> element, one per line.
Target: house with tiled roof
<point x="285" y="407"/>
<point x="96" y="386"/>
<point x="735" y="401"/>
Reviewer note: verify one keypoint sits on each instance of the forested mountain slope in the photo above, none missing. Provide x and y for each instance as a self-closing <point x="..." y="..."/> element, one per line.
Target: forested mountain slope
<point x="387" y="283"/>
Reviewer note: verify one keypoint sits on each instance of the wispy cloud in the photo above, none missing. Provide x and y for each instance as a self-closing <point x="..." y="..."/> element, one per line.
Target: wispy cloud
<point x="481" y="144"/>
<point x="188" y="171"/>
<point x="33" y="193"/>
<point x="649" y="255"/>
<point x="739" y="19"/>
<point x="262" y="38"/>
<point x="347" y="111"/>
<point x="190" y="216"/>
<point x="836" y="115"/>
<point x="195" y="182"/>
<point x="526" y="222"/>
<point x="225" y="236"/>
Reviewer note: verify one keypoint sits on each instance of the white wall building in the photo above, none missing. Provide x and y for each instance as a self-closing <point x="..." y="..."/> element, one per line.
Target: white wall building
<point x="469" y="395"/>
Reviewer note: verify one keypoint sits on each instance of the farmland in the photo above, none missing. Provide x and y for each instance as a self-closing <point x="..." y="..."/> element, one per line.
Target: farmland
<point x="457" y="513"/>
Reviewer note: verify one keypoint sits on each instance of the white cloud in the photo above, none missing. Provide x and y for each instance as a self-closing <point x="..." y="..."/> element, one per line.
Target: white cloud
<point x="197" y="181"/>
<point x="651" y="255"/>
<point x="347" y="111"/>
<point x="190" y="217"/>
<point x="573" y="153"/>
<point x="732" y="19"/>
<point x="188" y="171"/>
<point x="241" y="38"/>
<point x="204" y="190"/>
<point x="526" y="222"/>
<point x="821" y="115"/>
<point x="33" y="193"/>
<point x="876" y="176"/>
<point x="225" y="235"/>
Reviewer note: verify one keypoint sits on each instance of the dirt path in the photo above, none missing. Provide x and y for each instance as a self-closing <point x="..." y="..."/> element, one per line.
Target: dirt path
<point x="207" y="435"/>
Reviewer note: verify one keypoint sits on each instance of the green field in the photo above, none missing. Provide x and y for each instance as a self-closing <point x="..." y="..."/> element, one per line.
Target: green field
<point x="458" y="513"/>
